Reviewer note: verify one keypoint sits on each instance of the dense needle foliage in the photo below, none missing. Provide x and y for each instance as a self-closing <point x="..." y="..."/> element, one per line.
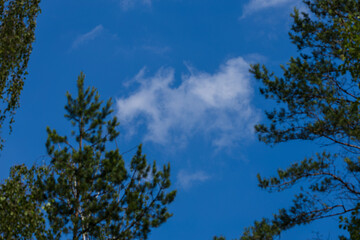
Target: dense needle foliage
<point x="317" y="99"/>
<point x="87" y="191"/>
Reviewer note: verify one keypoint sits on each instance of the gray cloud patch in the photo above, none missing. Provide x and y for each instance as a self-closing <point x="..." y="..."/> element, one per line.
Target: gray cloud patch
<point x="128" y="4"/>
<point x="186" y="180"/>
<point x="95" y="32"/>
<point x="256" y="5"/>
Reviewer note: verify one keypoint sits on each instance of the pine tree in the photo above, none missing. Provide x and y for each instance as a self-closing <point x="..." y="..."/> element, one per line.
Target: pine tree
<point x="90" y="192"/>
<point x="317" y="99"/>
<point x="87" y="191"/>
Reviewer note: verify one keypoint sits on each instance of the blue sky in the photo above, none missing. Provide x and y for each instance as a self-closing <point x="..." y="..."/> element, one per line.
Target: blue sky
<point x="177" y="71"/>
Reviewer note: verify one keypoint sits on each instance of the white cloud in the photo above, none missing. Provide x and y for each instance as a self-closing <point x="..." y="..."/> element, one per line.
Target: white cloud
<point x="95" y="32"/>
<point x="128" y="4"/>
<point x="257" y="5"/>
<point x="217" y="106"/>
<point x="186" y="180"/>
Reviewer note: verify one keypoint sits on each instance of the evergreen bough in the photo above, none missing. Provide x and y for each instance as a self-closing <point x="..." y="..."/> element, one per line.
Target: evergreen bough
<point x="317" y="99"/>
<point x="87" y="191"/>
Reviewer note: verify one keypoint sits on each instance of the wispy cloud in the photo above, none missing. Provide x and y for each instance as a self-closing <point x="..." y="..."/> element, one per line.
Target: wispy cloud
<point x="216" y="105"/>
<point x="95" y="32"/>
<point x="128" y="4"/>
<point x="255" y="58"/>
<point x="186" y="180"/>
<point x="156" y="49"/>
<point x="256" y="5"/>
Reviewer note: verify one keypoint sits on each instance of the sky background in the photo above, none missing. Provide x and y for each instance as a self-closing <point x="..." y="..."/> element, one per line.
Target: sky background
<point x="177" y="71"/>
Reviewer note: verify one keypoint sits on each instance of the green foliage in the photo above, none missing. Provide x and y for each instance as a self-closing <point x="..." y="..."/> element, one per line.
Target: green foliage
<point x="87" y="191"/>
<point x="317" y="99"/>
<point x="351" y="224"/>
<point x="21" y="214"/>
<point x="90" y="192"/>
<point x="261" y="230"/>
<point x="17" y="33"/>
<point x="218" y="238"/>
<point x="19" y="195"/>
